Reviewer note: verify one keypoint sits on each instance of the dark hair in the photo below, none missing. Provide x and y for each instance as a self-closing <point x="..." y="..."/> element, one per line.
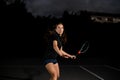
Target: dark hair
<point x="51" y="31"/>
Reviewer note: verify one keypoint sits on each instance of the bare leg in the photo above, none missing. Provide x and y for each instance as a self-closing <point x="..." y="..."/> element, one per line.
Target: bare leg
<point x="51" y="68"/>
<point x="57" y="70"/>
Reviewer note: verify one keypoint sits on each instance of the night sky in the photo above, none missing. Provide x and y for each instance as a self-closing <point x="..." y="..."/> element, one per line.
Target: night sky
<point x="56" y="7"/>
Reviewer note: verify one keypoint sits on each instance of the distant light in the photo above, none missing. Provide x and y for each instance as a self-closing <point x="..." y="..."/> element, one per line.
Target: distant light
<point x="105" y="19"/>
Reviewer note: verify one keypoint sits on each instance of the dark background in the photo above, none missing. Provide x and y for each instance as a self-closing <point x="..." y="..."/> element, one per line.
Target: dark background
<point x="22" y="35"/>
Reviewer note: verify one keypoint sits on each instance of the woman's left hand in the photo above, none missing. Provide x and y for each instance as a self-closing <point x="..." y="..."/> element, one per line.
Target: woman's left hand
<point x="65" y="56"/>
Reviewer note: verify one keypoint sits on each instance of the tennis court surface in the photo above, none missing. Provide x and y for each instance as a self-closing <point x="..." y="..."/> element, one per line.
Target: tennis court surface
<point x="28" y="70"/>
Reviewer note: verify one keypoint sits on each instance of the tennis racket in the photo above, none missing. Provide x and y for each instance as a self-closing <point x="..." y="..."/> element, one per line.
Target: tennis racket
<point x="84" y="48"/>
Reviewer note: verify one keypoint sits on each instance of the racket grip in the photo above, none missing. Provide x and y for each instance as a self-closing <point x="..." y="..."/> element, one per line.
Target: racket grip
<point x="79" y="52"/>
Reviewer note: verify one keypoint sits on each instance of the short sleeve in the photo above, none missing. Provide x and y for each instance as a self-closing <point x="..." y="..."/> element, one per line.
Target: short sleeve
<point x="54" y="37"/>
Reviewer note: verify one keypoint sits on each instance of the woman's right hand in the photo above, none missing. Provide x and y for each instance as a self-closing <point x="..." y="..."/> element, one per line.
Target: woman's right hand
<point x="73" y="57"/>
<point x="69" y="56"/>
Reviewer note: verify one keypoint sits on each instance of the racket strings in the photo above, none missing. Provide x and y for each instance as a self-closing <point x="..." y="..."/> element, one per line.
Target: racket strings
<point x="84" y="47"/>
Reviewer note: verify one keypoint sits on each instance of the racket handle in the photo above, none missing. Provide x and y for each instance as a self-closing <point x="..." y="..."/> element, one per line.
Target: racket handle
<point x="79" y="52"/>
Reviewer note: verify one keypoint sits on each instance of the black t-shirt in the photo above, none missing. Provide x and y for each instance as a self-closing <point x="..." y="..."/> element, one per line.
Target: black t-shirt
<point x="50" y="53"/>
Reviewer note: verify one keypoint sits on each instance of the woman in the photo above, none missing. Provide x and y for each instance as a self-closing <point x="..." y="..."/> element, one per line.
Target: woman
<point x="55" y="41"/>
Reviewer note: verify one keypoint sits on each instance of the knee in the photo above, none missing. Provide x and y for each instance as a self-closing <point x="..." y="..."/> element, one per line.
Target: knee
<point x="58" y="75"/>
<point x="54" y="75"/>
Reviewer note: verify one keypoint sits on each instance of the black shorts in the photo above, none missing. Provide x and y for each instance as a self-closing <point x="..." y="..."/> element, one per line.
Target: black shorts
<point x="54" y="61"/>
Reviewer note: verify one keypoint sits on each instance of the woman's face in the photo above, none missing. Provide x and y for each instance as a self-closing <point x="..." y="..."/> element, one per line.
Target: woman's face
<point x="59" y="29"/>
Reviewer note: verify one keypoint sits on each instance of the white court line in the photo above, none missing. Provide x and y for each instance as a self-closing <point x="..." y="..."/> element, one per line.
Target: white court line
<point x="92" y="73"/>
<point x="112" y="67"/>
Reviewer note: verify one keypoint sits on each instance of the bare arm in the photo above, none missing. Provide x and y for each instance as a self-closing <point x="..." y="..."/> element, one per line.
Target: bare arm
<point x="60" y="51"/>
<point x="66" y="55"/>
